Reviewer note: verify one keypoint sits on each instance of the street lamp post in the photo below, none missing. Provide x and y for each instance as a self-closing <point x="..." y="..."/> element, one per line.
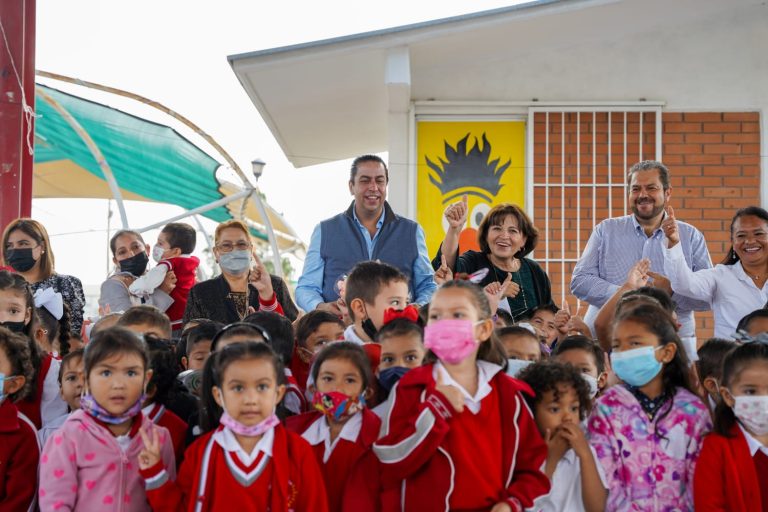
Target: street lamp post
<point x="257" y="167"/>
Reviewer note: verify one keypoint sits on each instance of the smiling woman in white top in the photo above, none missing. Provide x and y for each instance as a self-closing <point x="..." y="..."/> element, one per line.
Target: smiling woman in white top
<point x="735" y="287"/>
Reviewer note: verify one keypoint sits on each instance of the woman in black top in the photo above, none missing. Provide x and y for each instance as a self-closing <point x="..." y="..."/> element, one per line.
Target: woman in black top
<point x="242" y="288"/>
<point x="506" y="235"/>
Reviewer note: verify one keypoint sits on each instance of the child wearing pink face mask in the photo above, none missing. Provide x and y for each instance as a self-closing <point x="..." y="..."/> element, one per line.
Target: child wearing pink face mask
<point x="458" y="434"/>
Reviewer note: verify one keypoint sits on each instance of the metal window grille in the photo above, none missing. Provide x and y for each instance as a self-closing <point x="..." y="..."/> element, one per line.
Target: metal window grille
<point x="578" y="158"/>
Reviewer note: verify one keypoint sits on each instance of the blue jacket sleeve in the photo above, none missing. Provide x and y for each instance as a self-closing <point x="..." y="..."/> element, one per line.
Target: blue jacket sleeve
<point x="309" y="290"/>
<point x="586" y="283"/>
<point x="423" y="275"/>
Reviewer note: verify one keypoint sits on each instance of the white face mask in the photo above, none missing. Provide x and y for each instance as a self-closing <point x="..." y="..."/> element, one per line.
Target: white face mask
<point x="752" y="412"/>
<point x="515" y="366"/>
<point x="592" y="384"/>
<point x="157" y="253"/>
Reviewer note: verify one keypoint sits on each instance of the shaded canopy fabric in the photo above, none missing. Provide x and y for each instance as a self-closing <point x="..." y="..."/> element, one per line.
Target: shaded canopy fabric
<point x="149" y="161"/>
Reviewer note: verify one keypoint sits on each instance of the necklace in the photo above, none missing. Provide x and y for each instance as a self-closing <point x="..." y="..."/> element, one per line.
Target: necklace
<point x="518" y="313"/>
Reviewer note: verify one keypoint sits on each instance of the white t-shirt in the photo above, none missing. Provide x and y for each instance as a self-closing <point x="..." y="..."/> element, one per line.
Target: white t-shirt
<point x="565" y="493"/>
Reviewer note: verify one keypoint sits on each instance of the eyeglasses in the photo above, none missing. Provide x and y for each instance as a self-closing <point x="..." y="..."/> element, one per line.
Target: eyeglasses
<point x="229" y="246"/>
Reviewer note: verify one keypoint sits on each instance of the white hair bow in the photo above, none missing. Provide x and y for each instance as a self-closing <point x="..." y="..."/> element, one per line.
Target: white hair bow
<point x="50" y="300"/>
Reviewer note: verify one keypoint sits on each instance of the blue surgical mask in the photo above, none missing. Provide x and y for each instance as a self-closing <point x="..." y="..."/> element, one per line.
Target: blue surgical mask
<point x="389" y="376"/>
<point x="235" y="262"/>
<point x="2" y="388"/>
<point x="515" y="366"/>
<point x="636" y="367"/>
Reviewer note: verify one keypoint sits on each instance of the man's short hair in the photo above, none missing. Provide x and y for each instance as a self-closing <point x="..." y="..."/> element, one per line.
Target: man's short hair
<point x="650" y="165"/>
<point x="146" y="314"/>
<point x="366" y="280"/>
<point x="180" y="235"/>
<point x="366" y="158"/>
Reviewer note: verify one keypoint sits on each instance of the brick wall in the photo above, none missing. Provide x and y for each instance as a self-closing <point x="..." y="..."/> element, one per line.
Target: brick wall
<point x="714" y="160"/>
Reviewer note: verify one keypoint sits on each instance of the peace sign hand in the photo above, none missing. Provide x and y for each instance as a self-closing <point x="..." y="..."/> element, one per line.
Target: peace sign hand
<point x="150" y="454"/>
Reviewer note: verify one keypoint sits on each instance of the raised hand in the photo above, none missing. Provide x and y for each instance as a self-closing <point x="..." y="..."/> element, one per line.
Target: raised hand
<point x="169" y="282"/>
<point x="661" y="282"/>
<point x="456" y="214"/>
<point x="638" y="275"/>
<point x="496" y="291"/>
<point x="444" y="273"/>
<point x="150" y="454"/>
<point x="260" y="278"/>
<point x="670" y="228"/>
<point x="562" y="318"/>
<point x="451" y="393"/>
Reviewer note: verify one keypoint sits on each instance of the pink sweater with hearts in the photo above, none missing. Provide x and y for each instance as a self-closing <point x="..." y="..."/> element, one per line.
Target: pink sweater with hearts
<point x="84" y="467"/>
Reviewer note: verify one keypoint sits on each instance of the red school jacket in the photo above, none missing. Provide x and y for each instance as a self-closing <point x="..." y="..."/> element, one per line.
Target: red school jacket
<point x="19" y="457"/>
<point x="184" y="267"/>
<point x="352" y="471"/>
<point x="725" y="478"/>
<point x="175" y="425"/>
<point x="295" y="481"/>
<point x="417" y="470"/>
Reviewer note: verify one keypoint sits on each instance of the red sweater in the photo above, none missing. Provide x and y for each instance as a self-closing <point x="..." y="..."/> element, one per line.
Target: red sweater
<point x="175" y="425"/>
<point x="419" y="457"/>
<point x="19" y="457"/>
<point x="184" y="267"/>
<point x="30" y="406"/>
<point x="351" y="473"/>
<point x="291" y="479"/>
<point x="725" y="477"/>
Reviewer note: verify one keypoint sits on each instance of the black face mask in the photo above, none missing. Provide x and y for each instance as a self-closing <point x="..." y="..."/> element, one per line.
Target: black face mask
<point x="369" y="328"/>
<point x="135" y="265"/>
<point x="14" y="326"/>
<point x="20" y="259"/>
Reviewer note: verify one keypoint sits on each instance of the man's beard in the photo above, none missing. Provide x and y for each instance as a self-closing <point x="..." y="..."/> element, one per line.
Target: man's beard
<point x="654" y="212"/>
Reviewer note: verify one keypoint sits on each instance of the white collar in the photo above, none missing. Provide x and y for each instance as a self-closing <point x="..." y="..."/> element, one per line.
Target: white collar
<point x="485" y="372"/>
<point x="319" y="432"/>
<point x="351" y="335"/>
<point x="227" y="440"/>
<point x="752" y="443"/>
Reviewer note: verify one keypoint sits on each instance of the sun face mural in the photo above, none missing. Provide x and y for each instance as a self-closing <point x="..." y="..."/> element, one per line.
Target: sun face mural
<point x="484" y="160"/>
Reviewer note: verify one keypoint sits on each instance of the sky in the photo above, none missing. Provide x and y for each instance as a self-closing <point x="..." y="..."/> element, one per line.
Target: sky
<point x="175" y="52"/>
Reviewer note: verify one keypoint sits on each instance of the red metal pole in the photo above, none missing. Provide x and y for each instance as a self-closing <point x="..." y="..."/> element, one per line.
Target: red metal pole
<point x="16" y="163"/>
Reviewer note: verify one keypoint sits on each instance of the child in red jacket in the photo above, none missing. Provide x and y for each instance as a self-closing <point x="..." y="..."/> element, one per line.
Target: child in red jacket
<point x="19" y="450"/>
<point x="732" y="470"/>
<point x="172" y="252"/>
<point x="249" y="460"/>
<point x="342" y="430"/>
<point x="458" y="433"/>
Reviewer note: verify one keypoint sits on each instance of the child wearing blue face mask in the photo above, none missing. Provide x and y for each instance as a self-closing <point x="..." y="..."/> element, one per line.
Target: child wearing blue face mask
<point x="647" y="432"/>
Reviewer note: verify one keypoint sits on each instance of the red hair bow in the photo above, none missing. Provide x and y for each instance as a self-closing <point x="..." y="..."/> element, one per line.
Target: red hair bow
<point x="410" y="313"/>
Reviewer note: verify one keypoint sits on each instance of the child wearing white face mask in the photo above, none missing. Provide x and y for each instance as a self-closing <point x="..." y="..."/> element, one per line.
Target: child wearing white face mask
<point x="587" y="356"/>
<point x="732" y="472"/>
<point x="561" y="402"/>
<point x="521" y="345"/>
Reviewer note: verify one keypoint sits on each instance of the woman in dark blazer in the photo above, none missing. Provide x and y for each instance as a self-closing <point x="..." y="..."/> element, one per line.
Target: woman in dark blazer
<point x="244" y="285"/>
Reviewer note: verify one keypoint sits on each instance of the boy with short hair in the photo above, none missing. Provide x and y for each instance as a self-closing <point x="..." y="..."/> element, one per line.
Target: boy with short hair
<point x="312" y="332"/>
<point x="521" y="345"/>
<point x="586" y="356"/>
<point x="198" y="344"/>
<point x="172" y="252"/>
<point x="372" y="288"/>
<point x="543" y="318"/>
<point x="146" y="319"/>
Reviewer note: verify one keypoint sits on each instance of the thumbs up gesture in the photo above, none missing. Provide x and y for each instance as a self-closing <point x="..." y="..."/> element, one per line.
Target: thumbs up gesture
<point x="456" y="214"/>
<point x="669" y="226"/>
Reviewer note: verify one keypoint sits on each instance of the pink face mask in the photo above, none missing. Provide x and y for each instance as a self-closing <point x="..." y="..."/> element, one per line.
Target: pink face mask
<point x="452" y="340"/>
<point x="256" y="430"/>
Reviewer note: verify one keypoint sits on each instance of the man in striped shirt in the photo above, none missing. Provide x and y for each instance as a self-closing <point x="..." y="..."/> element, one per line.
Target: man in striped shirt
<point x="616" y="244"/>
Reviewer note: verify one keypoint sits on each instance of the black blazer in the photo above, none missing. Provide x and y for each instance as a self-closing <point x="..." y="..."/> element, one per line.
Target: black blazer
<point x="208" y="299"/>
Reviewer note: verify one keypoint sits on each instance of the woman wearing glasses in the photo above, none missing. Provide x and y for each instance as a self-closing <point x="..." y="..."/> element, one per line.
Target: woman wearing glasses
<point x="244" y="285"/>
<point x="27" y="250"/>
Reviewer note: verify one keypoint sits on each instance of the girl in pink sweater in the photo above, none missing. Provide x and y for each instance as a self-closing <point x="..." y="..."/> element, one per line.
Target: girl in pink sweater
<point x="91" y="461"/>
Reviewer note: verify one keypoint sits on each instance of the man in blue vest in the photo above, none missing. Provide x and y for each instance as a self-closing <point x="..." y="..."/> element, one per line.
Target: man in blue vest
<point x="368" y="230"/>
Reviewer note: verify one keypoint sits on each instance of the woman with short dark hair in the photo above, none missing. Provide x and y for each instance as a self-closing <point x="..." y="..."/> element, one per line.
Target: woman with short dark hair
<point x="506" y="236"/>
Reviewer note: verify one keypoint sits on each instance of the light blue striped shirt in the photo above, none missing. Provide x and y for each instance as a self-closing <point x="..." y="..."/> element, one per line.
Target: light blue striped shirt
<point x="616" y="245"/>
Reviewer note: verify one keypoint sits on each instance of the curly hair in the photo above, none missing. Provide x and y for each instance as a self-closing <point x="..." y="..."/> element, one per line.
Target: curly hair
<point x="552" y="375"/>
<point x="16" y="348"/>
